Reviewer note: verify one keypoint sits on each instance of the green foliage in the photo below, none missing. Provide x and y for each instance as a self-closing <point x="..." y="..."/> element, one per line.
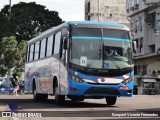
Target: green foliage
<point x="3" y="70"/>
<point x="13" y="55"/>
<point x="27" y="19"/>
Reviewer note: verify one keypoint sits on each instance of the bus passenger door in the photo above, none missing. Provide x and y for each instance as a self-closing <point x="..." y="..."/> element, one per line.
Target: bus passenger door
<point x="63" y="66"/>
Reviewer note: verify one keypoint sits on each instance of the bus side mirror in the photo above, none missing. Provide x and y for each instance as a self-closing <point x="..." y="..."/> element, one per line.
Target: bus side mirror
<point x="134" y="48"/>
<point x="65" y="44"/>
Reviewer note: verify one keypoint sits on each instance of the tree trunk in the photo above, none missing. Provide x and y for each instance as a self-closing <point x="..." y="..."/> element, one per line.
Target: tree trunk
<point x="8" y="77"/>
<point x="9" y="73"/>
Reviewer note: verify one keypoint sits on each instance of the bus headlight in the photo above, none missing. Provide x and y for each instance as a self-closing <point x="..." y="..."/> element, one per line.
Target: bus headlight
<point x="76" y="78"/>
<point x="128" y="80"/>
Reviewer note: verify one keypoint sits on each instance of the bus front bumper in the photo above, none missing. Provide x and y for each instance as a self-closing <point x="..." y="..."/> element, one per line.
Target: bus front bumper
<point x="86" y="89"/>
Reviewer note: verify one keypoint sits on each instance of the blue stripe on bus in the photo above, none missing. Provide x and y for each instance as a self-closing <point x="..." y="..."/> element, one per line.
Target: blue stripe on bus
<point x="104" y="38"/>
<point x="116" y="39"/>
<point x="98" y="23"/>
<point x="78" y="37"/>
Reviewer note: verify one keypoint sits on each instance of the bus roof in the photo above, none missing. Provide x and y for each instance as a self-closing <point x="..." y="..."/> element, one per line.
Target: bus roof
<point x="99" y="23"/>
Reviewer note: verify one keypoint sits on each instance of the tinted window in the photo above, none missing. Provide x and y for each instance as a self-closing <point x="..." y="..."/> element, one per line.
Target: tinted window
<point x="27" y="54"/>
<point x="57" y="43"/>
<point x="49" y="45"/>
<point x="43" y="47"/>
<point x="116" y="33"/>
<point x="36" y="55"/>
<point x="31" y="52"/>
<point x="94" y="32"/>
<point x="64" y="31"/>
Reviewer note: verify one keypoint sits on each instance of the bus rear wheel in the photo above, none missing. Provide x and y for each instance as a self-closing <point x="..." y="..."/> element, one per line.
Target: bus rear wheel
<point x="39" y="97"/>
<point x="111" y="100"/>
<point x="36" y="96"/>
<point x="59" y="99"/>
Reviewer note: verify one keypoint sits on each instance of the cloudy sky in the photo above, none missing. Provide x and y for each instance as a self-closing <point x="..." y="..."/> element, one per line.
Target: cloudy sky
<point x="69" y="10"/>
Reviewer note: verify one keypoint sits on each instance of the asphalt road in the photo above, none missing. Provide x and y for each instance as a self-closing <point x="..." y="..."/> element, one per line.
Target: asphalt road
<point x="138" y="106"/>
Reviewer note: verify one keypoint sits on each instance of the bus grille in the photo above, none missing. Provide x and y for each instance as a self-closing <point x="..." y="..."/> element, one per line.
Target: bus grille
<point x="110" y="91"/>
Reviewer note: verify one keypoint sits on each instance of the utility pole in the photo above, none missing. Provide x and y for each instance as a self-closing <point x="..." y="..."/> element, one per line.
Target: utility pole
<point x="10" y="9"/>
<point x="98" y="8"/>
<point x="9" y="17"/>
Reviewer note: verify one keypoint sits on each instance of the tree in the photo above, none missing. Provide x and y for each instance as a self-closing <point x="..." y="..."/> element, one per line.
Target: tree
<point x="13" y="55"/>
<point x="27" y="20"/>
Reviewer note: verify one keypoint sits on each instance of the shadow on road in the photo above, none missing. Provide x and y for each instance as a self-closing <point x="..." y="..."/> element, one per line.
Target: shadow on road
<point x="91" y="108"/>
<point x="50" y="103"/>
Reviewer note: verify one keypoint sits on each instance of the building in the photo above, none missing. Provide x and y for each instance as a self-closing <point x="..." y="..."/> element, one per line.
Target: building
<point x="106" y="10"/>
<point x="144" y="18"/>
<point x="145" y="24"/>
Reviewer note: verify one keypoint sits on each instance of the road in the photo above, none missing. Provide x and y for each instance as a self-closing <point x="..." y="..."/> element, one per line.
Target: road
<point x="89" y="109"/>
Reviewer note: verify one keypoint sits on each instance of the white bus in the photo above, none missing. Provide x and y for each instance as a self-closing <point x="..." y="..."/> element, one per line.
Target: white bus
<point x="79" y="60"/>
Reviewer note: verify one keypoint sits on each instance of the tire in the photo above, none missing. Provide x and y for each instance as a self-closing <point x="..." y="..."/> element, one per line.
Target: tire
<point x="77" y="98"/>
<point x="80" y="99"/>
<point x="39" y="97"/>
<point x="59" y="99"/>
<point x="35" y="95"/>
<point x="43" y="97"/>
<point x="74" y="99"/>
<point x="111" y="100"/>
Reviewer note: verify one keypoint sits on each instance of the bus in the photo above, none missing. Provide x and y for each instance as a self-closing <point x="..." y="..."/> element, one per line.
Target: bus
<point x="80" y="60"/>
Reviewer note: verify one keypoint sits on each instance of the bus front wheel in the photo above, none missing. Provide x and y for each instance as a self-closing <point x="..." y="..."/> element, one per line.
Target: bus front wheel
<point x="111" y="100"/>
<point x="59" y="99"/>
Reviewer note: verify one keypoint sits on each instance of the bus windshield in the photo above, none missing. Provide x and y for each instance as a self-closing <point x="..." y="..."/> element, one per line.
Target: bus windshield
<point x="98" y="48"/>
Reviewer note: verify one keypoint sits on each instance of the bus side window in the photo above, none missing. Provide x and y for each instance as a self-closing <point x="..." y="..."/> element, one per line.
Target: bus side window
<point x="57" y="42"/>
<point x="31" y="53"/>
<point x="27" y="57"/>
<point x="36" y="54"/>
<point x="49" y="46"/>
<point x="53" y="44"/>
<point x="43" y="48"/>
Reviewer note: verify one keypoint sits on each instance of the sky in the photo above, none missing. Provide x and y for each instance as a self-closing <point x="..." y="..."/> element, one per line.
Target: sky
<point x="69" y="10"/>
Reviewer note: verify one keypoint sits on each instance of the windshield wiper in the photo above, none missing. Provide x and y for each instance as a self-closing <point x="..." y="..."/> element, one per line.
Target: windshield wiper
<point x="93" y="59"/>
<point x="117" y="66"/>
